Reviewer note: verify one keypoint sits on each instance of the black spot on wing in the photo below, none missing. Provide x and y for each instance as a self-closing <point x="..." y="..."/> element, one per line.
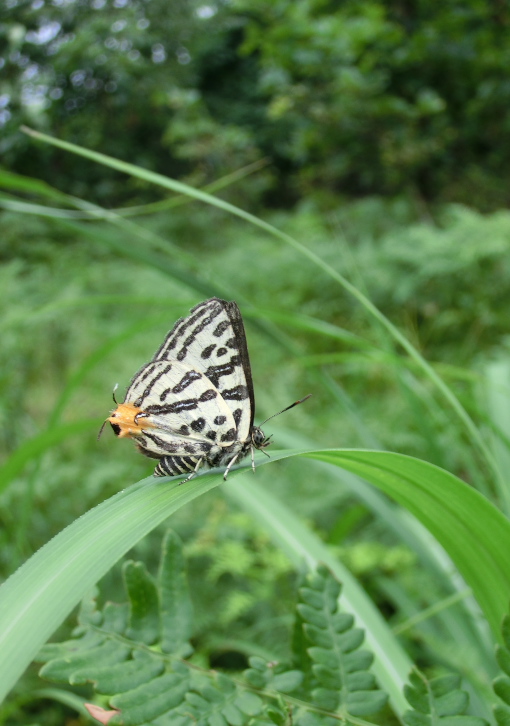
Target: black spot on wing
<point x="211" y="435"/>
<point x="214" y="312"/>
<point x="206" y="353"/>
<point x="220" y="328"/>
<point x="230" y="435"/>
<point x="146" y="372"/>
<point x="164" y="446"/>
<point x="220" y="352"/>
<point x="219" y="420"/>
<point x="208" y="395"/>
<point x="181" y="355"/>
<point x="198" y="424"/>
<point x="184" y="430"/>
<point x="175" y="336"/>
<point x="186" y="381"/>
<point x="187" y="404"/>
<point x="163" y="372"/>
<point x="214" y="373"/>
<point x="237" y="414"/>
<point x="238" y="393"/>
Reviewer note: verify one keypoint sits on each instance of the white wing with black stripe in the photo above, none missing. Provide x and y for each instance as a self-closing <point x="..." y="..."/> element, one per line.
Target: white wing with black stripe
<point x="192" y="405"/>
<point x="212" y="340"/>
<point x="187" y="412"/>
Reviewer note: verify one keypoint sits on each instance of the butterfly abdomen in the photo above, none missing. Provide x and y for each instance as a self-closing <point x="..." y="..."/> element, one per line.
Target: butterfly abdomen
<point x="176" y="465"/>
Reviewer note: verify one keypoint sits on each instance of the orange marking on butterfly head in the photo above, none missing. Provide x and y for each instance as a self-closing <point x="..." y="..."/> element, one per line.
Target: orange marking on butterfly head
<point x="128" y="420"/>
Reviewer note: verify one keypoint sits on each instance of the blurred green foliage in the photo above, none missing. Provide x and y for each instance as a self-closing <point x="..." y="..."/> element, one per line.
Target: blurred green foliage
<point x="364" y="116"/>
<point x="343" y="98"/>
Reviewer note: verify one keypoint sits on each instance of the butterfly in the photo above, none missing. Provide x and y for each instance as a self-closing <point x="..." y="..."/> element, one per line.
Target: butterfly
<point x="193" y="405"/>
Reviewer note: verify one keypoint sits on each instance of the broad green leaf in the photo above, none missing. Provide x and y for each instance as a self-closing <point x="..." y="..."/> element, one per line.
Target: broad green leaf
<point x="473" y="532"/>
<point x="36" y="599"/>
<point x="502" y="715"/>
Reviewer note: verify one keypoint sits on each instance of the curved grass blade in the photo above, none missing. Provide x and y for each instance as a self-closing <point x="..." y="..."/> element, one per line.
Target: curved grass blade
<point x="19" y="183"/>
<point x="41" y="593"/>
<point x="474" y="533"/>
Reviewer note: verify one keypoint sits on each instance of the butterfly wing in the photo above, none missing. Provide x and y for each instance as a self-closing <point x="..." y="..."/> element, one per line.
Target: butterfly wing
<point x="211" y="340"/>
<point x="178" y="411"/>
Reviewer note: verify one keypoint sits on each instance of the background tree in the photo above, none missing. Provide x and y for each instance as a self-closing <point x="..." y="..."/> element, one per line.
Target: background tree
<point x="343" y="98"/>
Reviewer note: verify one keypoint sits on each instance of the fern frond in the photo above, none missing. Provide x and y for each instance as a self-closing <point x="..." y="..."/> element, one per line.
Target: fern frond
<point x="438" y="702"/>
<point x="133" y="655"/>
<point x="342" y="681"/>
<point x="131" y="652"/>
<point x="272" y="676"/>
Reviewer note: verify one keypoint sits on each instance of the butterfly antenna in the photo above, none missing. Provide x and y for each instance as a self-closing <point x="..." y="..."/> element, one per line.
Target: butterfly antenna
<point x="286" y="409"/>
<point x="101" y="429"/>
<point x="106" y="419"/>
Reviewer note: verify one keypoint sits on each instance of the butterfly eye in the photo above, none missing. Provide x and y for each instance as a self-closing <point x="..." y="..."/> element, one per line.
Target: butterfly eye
<point x="258" y="437"/>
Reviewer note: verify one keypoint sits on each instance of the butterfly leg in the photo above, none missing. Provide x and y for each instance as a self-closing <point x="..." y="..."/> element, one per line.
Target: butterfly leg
<point x="230" y="465"/>
<point x="194" y="472"/>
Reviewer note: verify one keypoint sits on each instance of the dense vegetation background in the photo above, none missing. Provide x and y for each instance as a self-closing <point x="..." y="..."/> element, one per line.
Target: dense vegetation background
<point x="375" y="133"/>
<point x="342" y="98"/>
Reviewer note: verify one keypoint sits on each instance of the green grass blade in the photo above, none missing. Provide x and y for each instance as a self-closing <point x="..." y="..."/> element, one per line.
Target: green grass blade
<point x="28" y="185"/>
<point x="19" y="183"/>
<point x="41" y="593"/>
<point x="462" y="620"/>
<point x="474" y="533"/>
<point x="496" y="385"/>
